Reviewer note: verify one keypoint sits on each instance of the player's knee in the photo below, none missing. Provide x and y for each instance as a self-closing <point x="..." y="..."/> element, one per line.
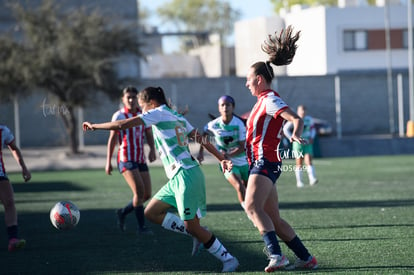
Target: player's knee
<point x="8" y="204"/>
<point x="150" y="214"/>
<point x="250" y="208"/>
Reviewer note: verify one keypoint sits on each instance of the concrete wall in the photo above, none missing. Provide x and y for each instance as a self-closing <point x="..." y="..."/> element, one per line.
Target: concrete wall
<point x="364" y="146"/>
<point x="364" y="103"/>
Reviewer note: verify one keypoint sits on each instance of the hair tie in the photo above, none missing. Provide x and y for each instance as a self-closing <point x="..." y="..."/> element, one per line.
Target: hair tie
<point x="268" y="69"/>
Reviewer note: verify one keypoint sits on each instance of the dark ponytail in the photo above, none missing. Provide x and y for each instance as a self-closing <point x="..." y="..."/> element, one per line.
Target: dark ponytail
<point x="281" y="49"/>
<point x="153" y="93"/>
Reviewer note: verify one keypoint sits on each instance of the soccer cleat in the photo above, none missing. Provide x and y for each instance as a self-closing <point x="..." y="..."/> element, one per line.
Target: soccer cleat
<point x="120" y="220"/>
<point x="313" y="181"/>
<point x="312" y="263"/>
<point x="230" y="265"/>
<point x="276" y="262"/>
<point x="299" y="184"/>
<point x="16" y="244"/>
<point x="144" y="231"/>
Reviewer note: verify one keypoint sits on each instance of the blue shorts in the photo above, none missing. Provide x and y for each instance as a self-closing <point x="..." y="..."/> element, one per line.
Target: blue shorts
<point x="263" y="167"/>
<point x="3" y="178"/>
<point x="131" y="165"/>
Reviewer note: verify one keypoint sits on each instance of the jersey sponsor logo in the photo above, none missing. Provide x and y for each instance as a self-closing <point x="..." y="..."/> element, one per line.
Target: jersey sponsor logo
<point x="228" y="140"/>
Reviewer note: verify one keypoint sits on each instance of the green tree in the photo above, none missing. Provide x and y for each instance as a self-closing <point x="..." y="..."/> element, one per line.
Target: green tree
<point x="288" y="3"/>
<point x="72" y="55"/>
<point x="278" y="4"/>
<point x="12" y="69"/>
<point x="211" y="16"/>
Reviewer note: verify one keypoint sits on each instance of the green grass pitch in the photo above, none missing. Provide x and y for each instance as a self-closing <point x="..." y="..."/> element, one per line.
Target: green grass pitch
<point x="359" y="219"/>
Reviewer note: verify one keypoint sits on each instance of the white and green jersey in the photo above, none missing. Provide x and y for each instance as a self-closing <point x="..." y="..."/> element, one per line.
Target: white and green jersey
<point x="170" y="131"/>
<point x="309" y="131"/>
<point x="228" y="136"/>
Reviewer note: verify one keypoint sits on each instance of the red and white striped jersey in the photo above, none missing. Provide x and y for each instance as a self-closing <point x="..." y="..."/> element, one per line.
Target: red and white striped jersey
<point x="6" y="138"/>
<point x="264" y="128"/>
<point x="131" y="141"/>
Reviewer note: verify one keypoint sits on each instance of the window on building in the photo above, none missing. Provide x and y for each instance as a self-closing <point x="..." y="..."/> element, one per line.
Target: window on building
<point x="355" y="40"/>
<point x="405" y="39"/>
<point x="374" y="39"/>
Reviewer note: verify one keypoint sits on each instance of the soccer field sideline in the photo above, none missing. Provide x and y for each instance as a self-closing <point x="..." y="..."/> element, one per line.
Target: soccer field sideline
<point x="91" y="157"/>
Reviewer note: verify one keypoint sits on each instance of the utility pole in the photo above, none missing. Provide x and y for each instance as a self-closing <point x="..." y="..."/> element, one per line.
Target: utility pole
<point x="389" y="67"/>
<point x="410" y="123"/>
<point x="139" y="37"/>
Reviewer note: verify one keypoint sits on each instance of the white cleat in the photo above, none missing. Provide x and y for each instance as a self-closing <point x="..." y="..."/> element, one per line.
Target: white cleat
<point x="276" y="262"/>
<point x="230" y="265"/>
<point x="313" y="182"/>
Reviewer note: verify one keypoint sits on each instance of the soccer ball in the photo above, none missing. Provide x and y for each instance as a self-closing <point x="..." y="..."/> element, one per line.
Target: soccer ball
<point x="64" y="215"/>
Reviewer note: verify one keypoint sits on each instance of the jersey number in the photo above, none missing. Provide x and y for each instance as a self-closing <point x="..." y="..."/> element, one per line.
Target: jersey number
<point x="181" y="136"/>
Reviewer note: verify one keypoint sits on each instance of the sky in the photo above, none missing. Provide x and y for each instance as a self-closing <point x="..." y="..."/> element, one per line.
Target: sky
<point x="249" y="9"/>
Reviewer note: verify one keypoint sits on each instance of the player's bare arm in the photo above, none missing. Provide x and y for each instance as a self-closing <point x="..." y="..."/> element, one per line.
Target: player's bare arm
<point x="150" y="141"/>
<point x="225" y="164"/>
<point x="112" y="141"/>
<point x="236" y="151"/>
<point x="291" y="116"/>
<point x="113" y="125"/>
<point x="19" y="159"/>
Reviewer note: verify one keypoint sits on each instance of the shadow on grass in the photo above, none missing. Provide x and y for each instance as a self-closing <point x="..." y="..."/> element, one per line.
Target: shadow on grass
<point x="96" y="245"/>
<point x="358" y="226"/>
<point x="40" y="187"/>
<point x="369" y="269"/>
<point x="321" y="205"/>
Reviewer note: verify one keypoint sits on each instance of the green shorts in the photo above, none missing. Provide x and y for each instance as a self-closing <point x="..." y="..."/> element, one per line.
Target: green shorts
<point x="300" y="150"/>
<point x="186" y="192"/>
<point x="241" y="171"/>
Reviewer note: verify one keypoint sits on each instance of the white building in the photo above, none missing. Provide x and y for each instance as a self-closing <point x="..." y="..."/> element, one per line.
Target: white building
<point x="248" y="38"/>
<point x="333" y="39"/>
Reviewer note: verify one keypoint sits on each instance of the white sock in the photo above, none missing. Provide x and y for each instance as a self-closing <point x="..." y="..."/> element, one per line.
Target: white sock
<point x="219" y="251"/>
<point x="174" y="223"/>
<point x="298" y="174"/>
<point x="311" y="172"/>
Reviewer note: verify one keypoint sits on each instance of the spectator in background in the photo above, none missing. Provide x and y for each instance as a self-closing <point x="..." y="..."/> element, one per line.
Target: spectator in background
<point x="303" y="152"/>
